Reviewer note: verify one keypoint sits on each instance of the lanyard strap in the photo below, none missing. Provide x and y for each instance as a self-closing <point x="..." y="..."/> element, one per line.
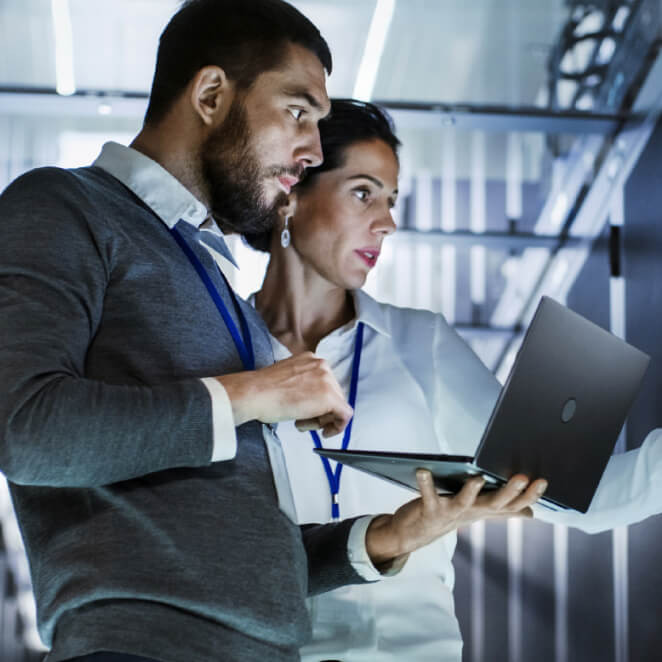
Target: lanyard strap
<point x="331" y="476"/>
<point x="242" y="341"/>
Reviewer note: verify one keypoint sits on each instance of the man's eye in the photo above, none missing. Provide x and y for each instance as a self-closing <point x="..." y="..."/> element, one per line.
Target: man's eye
<point x="296" y="113"/>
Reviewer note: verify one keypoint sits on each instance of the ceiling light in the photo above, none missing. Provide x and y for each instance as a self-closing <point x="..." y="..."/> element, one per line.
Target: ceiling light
<point x="585" y="101"/>
<point x="620" y="18"/>
<point x="374" y="48"/>
<point x="606" y="51"/>
<point x="64" y="49"/>
<point x="559" y="210"/>
<point x="104" y="108"/>
<point x="591" y="23"/>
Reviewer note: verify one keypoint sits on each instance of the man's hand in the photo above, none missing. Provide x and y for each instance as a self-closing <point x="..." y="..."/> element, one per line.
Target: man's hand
<point x="391" y="538"/>
<point x="301" y="387"/>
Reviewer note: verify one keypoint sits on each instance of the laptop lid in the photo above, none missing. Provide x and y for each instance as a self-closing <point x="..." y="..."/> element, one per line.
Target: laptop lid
<point x="562" y="408"/>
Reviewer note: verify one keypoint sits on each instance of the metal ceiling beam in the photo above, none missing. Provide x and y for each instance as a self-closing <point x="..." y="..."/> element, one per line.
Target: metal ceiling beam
<point x="495" y="240"/>
<point x="46" y="102"/>
<point x="590" y="215"/>
<point x="500" y="118"/>
<point x="132" y="105"/>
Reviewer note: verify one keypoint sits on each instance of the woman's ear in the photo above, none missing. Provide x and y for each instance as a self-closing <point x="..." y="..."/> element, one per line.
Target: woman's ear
<point x="288" y="210"/>
<point x="211" y="94"/>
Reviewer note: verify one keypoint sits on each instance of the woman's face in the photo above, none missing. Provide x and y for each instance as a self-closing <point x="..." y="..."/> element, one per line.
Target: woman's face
<point x="342" y="219"/>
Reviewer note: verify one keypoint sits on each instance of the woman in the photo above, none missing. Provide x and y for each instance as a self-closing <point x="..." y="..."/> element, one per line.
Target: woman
<point x="417" y="386"/>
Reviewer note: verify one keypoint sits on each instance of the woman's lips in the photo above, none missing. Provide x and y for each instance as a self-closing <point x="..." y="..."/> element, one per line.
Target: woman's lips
<point x="368" y="255"/>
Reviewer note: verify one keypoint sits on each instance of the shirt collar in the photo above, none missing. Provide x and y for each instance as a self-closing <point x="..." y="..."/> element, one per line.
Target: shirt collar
<point x="163" y="193"/>
<point x="370" y="312"/>
<point x="166" y="196"/>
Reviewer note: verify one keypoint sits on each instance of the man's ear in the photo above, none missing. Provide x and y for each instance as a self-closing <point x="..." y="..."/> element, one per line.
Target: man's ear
<point x="211" y="94"/>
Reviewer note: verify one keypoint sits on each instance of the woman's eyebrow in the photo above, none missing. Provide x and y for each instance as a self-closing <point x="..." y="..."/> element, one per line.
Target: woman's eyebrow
<point x="376" y="181"/>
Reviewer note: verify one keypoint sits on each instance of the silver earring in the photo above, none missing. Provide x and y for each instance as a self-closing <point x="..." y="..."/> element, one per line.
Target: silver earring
<point x="285" y="234"/>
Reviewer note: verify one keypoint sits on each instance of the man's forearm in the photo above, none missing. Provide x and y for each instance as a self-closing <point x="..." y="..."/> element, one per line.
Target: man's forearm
<point x="75" y="432"/>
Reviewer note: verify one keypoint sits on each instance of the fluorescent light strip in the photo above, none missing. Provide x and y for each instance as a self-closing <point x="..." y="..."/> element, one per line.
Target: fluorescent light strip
<point x="448" y="183"/>
<point x="422" y="295"/>
<point x="405" y="282"/>
<point x="448" y="290"/>
<point x="448" y="224"/>
<point x="374" y="48"/>
<point x="514" y="176"/>
<point x="423" y="188"/>
<point x="478" y="216"/>
<point x="478" y="262"/>
<point x="64" y="48"/>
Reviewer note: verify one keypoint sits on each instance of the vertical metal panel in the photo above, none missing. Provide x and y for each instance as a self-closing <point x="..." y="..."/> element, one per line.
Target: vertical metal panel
<point x="538" y="595"/>
<point x="621" y="583"/>
<point x="514" y="529"/>
<point x="643" y="280"/>
<point x="617" y="314"/>
<point x="477" y="536"/>
<point x="560" y="593"/>
<point x="462" y="591"/>
<point x="496" y="591"/>
<point x="590" y="557"/>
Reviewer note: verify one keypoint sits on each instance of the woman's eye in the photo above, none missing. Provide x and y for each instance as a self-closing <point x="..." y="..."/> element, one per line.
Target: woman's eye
<point x="296" y="113"/>
<point x="362" y="194"/>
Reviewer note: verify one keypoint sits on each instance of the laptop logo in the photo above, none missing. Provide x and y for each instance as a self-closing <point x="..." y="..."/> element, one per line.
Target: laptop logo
<point x="569" y="409"/>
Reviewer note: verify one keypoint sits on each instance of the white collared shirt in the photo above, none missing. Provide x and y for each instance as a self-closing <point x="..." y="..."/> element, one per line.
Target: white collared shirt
<point x="402" y="406"/>
<point x="421" y="388"/>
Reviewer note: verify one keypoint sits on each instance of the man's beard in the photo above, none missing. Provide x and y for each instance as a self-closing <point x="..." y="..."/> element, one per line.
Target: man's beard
<point x="234" y="179"/>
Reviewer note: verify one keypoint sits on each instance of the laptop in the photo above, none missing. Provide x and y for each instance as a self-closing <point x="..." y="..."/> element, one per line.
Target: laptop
<point x="558" y="416"/>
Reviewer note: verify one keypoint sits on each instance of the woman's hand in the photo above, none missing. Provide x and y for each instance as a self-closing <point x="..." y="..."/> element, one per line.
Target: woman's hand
<point x="391" y="538"/>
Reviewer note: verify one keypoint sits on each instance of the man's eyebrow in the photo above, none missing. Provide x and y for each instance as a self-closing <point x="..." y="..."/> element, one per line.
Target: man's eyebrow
<point x="302" y="93"/>
<point x="376" y="181"/>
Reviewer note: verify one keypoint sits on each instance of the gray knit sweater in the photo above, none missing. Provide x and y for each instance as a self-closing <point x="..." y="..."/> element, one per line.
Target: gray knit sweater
<point x="136" y="542"/>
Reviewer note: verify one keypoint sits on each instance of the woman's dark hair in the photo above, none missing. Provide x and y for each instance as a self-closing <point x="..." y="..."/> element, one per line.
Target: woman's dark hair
<point x="349" y="122"/>
<point x="243" y="37"/>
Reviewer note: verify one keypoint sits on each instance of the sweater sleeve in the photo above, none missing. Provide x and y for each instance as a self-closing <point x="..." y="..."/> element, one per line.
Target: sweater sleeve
<point x="58" y="427"/>
<point x="329" y="565"/>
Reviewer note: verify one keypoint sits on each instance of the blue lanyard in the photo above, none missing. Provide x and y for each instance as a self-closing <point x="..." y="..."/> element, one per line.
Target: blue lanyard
<point x="242" y="341"/>
<point x="334" y="478"/>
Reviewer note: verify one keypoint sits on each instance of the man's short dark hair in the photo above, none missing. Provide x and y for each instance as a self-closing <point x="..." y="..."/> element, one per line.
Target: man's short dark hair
<point x="243" y="37"/>
<point x="349" y="122"/>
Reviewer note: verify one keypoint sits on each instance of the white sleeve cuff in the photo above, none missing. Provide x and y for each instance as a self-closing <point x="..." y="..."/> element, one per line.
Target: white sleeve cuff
<point x="358" y="554"/>
<point x="225" y="435"/>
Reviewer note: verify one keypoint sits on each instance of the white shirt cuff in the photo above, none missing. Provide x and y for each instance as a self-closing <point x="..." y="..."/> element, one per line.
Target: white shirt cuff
<point x="358" y="554"/>
<point x="225" y="435"/>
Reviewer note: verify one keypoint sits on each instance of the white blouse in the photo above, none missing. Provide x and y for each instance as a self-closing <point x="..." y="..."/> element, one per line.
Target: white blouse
<point x="421" y="388"/>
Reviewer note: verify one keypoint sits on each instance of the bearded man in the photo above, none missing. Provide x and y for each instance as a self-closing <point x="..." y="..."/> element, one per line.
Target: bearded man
<point x="138" y="393"/>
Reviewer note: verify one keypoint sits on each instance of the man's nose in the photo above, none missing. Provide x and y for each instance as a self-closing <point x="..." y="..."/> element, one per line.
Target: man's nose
<point x="310" y="154"/>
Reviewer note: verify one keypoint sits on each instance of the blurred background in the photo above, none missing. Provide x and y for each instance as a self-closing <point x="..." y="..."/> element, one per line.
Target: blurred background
<point x="531" y="164"/>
